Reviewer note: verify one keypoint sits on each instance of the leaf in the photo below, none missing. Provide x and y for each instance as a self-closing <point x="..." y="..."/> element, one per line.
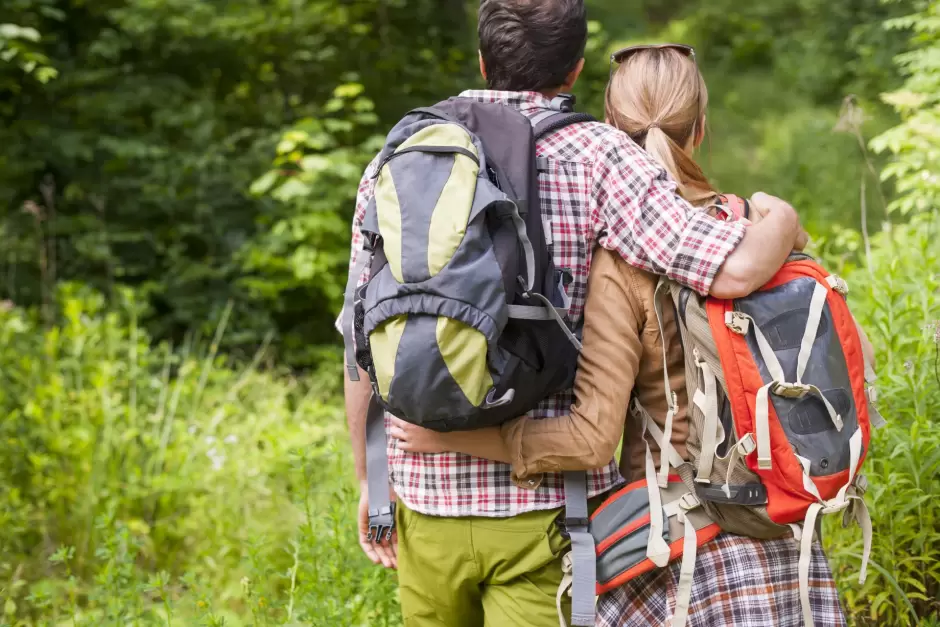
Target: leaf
<point x="292" y="189"/>
<point x="12" y="31"/>
<point x="264" y="183"/>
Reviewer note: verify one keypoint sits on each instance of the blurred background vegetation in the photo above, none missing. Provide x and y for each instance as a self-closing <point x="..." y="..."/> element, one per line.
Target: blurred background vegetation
<point x="178" y="177"/>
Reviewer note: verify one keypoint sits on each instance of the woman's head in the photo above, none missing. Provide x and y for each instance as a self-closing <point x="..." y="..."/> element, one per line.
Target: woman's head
<point x="658" y="97"/>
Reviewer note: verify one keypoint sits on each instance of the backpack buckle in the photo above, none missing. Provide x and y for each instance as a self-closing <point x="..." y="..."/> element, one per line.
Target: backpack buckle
<point x="837" y="284"/>
<point x="738" y="322"/>
<point x="790" y="390"/>
<point x="381" y="523"/>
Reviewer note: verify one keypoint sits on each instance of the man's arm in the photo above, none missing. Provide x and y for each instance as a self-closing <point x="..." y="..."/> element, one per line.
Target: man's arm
<point x="357" y="395"/>
<point x="640" y="215"/>
<point x="357" y="407"/>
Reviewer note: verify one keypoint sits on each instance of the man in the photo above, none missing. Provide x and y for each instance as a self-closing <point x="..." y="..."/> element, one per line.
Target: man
<point x="473" y="547"/>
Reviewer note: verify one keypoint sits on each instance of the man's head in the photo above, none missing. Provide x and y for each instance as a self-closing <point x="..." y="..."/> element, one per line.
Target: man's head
<point x="532" y="45"/>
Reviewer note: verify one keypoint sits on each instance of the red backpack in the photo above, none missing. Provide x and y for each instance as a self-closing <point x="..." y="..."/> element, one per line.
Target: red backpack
<point x="780" y="420"/>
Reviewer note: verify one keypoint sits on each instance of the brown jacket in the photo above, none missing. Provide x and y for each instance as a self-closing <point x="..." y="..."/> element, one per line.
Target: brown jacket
<point x="622" y="356"/>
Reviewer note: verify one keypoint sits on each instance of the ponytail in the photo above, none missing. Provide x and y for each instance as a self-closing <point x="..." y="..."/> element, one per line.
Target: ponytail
<point x="658" y="97"/>
<point x="694" y="186"/>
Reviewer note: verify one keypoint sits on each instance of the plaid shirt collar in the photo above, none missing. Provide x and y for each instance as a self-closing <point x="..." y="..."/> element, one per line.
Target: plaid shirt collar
<point x="522" y="100"/>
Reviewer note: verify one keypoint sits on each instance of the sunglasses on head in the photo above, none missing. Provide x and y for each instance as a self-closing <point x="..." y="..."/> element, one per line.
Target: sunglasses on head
<point x="624" y="53"/>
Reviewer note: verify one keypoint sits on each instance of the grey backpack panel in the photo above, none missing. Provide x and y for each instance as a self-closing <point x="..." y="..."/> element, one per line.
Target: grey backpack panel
<point x="781" y="313"/>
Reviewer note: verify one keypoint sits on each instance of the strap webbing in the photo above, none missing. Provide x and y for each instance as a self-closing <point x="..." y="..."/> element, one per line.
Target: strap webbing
<point x="812" y="326"/>
<point x="583" y="555"/>
<point x="686" y="572"/>
<point x="551" y="120"/>
<point x="714" y="432"/>
<point x="548" y="312"/>
<point x="526" y="244"/>
<point x="657" y="550"/>
<point x="355" y="271"/>
<point x="381" y="511"/>
<point x="671" y="400"/>
<point x="806" y="553"/>
<point x="657" y="434"/>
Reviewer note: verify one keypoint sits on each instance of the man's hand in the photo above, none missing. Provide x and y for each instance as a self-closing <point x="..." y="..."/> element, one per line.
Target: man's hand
<point x="765" y="203"/>
<point x="380" y="551"/>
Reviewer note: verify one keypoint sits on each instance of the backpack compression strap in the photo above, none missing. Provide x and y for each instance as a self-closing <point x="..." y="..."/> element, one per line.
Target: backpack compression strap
<point x="381" y="509"/>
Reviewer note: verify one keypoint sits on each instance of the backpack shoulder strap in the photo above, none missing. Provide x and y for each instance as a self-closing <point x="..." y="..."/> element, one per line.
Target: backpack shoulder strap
<point x="551" y="121"/>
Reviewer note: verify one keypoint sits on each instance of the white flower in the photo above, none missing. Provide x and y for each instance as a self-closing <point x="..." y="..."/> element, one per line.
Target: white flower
<point x="210" y="439"/>
<point x="231" y="439"/>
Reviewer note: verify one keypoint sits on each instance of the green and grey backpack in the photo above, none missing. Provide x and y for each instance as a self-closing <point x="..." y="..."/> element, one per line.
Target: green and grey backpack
<point x="463" y="323"/>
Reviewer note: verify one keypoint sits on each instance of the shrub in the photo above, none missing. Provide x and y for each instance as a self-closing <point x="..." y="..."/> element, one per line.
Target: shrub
<point x="897" y="300"/>
<point x="138" y="481"/>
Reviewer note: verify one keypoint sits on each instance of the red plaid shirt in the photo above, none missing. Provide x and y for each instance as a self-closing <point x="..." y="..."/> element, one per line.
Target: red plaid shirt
<point x="601" y="189"/>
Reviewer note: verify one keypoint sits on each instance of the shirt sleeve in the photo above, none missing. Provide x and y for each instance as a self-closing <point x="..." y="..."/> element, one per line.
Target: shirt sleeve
<point x="363" y="198"/>
<point x="588" y="436"/>
<point x="638" y="214"/>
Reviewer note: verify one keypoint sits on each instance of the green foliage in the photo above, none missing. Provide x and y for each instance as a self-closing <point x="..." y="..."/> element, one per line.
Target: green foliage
<point x="915" y="143"/>
<point x="134" y="166"/>
<point x="119" y="459"/>
<point x="897" y="300"/>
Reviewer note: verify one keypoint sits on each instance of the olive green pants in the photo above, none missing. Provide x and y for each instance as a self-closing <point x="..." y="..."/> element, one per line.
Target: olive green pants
<point x="480" y="572"/>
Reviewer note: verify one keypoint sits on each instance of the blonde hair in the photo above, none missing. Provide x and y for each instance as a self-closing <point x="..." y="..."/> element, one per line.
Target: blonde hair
<point x="658" y="97"/>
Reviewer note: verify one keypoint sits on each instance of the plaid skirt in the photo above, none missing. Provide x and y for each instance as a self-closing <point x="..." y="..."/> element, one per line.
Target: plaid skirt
<point x="738" y="581"/>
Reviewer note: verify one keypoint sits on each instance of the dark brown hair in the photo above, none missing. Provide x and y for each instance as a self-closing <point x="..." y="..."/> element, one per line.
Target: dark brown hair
<point x="531" y="45"/>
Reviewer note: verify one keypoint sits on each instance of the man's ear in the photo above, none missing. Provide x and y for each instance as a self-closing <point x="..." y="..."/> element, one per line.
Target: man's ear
<point x="572" y="77"/>
<point x="482" y="65"/>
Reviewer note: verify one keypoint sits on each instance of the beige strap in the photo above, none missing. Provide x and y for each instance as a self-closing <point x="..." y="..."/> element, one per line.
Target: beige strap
<point x="564" y="586"/>
<point x="762" y="427"/>
<point x="657" y="434"/>
<point x="744" y="447"/>
<point x="713" y="431"/>
<point x="806" y="553"/>
<point x="863" y="517"/>
<point x="686" y="573"/>
<point x="855" y="454"/>
<point x="671" y="398"/>
<point x="816" y="306"/>
<point x="767" y="353"/>
<point x="657" y="550"/>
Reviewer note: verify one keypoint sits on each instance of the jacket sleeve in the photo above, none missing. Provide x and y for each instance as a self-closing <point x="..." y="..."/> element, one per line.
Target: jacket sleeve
<point x="607" y="368"/>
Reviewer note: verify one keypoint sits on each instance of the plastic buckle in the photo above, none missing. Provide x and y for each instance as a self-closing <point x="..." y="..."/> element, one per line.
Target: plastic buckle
<point x="566" y="525"/>
<point x="765" y="463"/>
<point x="381" y="523"/>
<point x="872" y="394"/>
<point x="861" y="484"/>
<point x="790" y="390"/>
<point x="746" y="444"/>
<point x="564" y="103"/>
<point x="838" y="284"/>
<point x="689" y="501"/>
<point x="737" y="322"/>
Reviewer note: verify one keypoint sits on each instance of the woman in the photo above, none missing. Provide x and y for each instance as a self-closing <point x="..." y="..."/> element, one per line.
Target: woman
<point x="658" y="97"/>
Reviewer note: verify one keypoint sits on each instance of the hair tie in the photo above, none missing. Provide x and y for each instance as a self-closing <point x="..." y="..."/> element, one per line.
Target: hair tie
<point x="651" y="126"/>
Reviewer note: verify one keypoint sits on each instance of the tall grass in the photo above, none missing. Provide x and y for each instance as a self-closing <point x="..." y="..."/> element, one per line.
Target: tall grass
<point x="147" y="485"/>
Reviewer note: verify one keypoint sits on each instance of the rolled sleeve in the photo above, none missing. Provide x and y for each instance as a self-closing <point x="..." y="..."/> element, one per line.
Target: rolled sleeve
<point x="703" y="247"/>
<point x="639" y="214"/>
